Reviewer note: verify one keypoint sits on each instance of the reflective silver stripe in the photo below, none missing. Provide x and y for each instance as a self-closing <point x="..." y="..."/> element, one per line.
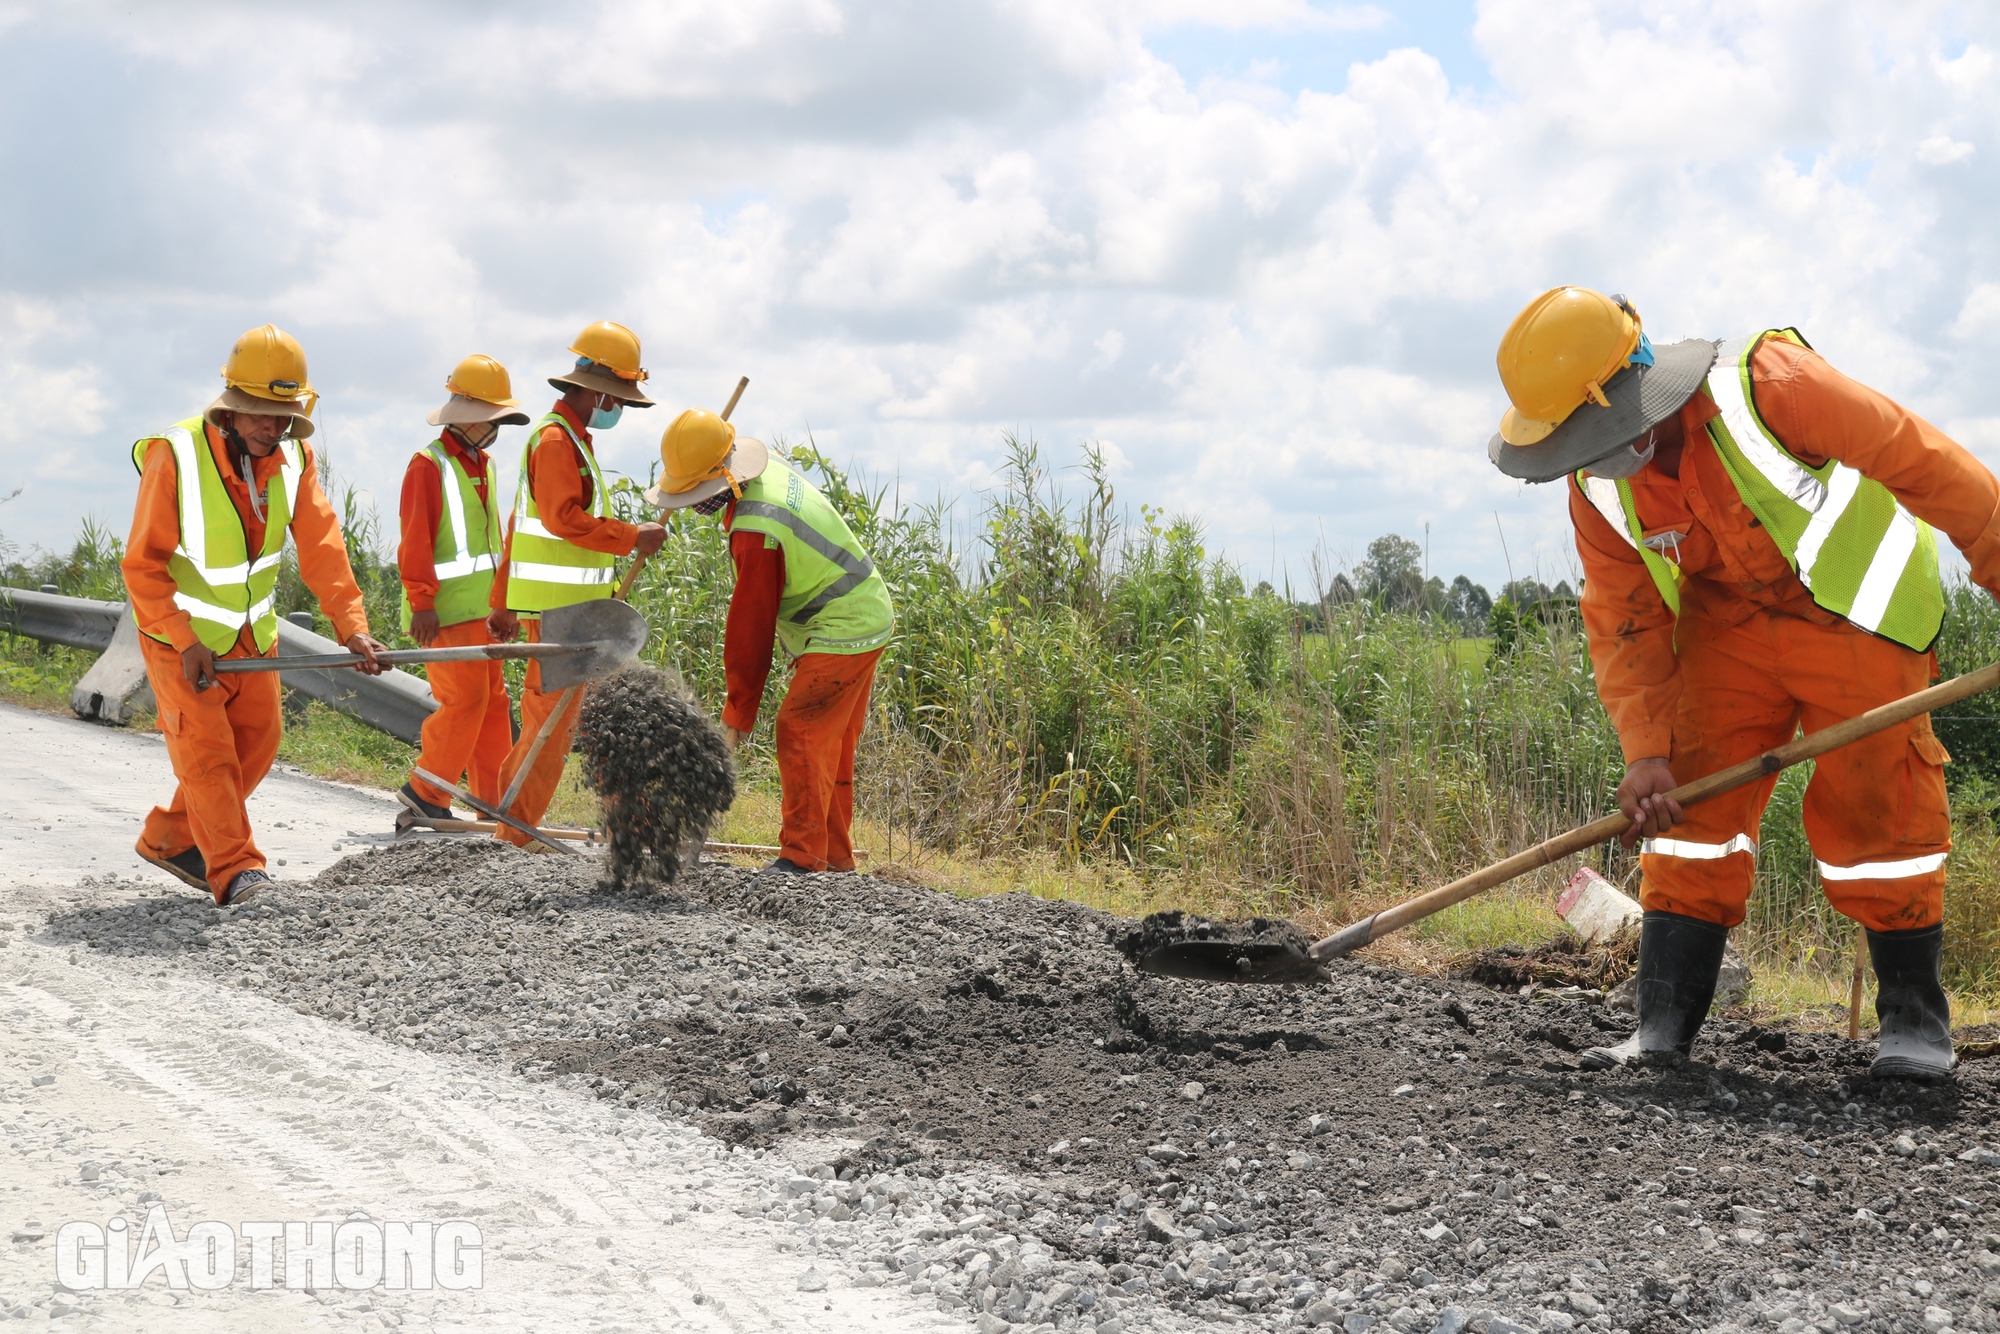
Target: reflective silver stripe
<point x="532" y="527"/>
<point x="1602" y="493"/>
<point x="1885" y="571"/>
<point x="208" y="611"/>
<point x="840" y="587"/>
<point x="809" y="535"/>
<point x="1884" y="870"/>
<point x="454" y="505"/>
<point x="1698" y="852"/>
<point x="452" y="569"/>
<point x="289" y="472"/>
<point x="187" y="468"/>
<point x="1840" y="490"/>
<point x="1725" y="386"/>
<point x="562" y="574"/>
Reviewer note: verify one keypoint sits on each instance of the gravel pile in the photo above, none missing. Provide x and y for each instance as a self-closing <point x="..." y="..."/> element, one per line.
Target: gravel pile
<point x="659" y="767"/>
<point x="1030" y="1133"/>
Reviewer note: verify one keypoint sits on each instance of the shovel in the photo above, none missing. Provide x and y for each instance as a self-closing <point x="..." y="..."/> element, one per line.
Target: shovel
<point x="568" y="695"/>
<point x="586" y="642"/>
<point x="1225" y="960"/>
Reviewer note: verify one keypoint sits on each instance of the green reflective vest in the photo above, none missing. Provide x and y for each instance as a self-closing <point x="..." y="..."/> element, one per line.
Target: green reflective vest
<point x="216" y="582"/>
<point x="543" y="570"/>
<point x="1855" y="548"/>
<point x="833" y="601"/>
<point x="467" y="544"/>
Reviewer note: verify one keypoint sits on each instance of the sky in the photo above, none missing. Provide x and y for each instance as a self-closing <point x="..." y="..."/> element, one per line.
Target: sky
<point x="1258" y="251"/>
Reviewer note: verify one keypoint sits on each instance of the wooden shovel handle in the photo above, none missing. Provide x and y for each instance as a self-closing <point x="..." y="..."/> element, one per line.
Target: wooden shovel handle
<point x="1770" y="762"/>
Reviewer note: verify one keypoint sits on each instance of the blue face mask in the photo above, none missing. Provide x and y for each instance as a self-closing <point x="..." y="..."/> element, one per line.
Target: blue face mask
<point x="605" y="418"/>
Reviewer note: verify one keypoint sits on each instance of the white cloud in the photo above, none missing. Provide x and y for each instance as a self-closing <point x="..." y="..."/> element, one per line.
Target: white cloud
<point x="916" y="227"/>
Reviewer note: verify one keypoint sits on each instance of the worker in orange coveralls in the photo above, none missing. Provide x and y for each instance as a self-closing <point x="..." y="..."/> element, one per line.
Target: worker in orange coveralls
<point x="562" y="540"/>
<point x="1758" y="542"/>
<point x="217" y="494"/>
<point x="803" y="581"/>
<point x="451" y="544"/>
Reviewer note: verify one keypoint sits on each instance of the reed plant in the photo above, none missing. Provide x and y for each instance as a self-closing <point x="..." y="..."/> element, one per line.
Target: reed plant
<point x="1100" y="696"/>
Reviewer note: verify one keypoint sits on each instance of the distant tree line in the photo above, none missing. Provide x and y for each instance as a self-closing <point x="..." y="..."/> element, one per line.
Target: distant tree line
<point x="1392" y="577"/>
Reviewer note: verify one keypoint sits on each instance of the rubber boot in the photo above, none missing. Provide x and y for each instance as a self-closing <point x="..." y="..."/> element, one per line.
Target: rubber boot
<point x="1679" y="959"/>
<point x="1911" y="1006"/>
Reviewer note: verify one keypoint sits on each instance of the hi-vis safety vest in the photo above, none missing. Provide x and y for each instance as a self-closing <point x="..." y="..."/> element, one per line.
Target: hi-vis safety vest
<point x="833" y="601"/>
<point x="465" y="552"/>
<point x="1859" y="552"/>
<point x="216" y="581"/>
<point x="545" y="571"/>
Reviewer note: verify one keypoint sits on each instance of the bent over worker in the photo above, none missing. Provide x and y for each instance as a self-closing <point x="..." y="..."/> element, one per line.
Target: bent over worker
<point x="217" y="494"/>
<point x="1758" y="542"/>
<point x="450" y="545"/>
<point x="803" y="581"/>
<point x="562" y="541"/>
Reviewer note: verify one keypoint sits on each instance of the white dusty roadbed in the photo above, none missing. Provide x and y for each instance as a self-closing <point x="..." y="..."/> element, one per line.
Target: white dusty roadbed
<point x="126" y="1085"/>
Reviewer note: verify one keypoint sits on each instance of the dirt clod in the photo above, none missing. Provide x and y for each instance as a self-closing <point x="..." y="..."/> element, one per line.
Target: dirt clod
<point x="1566" y="961"/>
<point x="659" y="766"/>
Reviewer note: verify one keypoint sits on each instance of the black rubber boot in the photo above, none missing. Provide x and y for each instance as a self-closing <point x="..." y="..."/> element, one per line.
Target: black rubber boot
<point x="1911" y="1006"/>
<point x="1679" y="958"/>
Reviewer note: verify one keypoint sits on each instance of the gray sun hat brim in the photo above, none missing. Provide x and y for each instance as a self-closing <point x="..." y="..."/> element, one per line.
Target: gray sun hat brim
<point x="1641" y="398"/>
<point x="460" y="410"/>
<point x="236" y="400"/>
<point x="748" y="459"/>
<point x="597" y="382"/>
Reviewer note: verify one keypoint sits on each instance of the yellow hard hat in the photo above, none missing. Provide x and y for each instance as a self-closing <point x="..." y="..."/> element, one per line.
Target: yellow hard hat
<point x="1558" y="353"/>
<point x="481" y="377"/>
<point x="612" y="346"/>
<point x="480" y="392"/>
<point x="1588" y="387"/>
<point x="268" y="363"/>
<point x="607" y="362"/>
<point x="265" y="376"/>
<point x="701" y="457"/>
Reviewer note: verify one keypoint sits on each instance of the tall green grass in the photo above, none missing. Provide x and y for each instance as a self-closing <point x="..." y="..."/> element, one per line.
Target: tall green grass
<point x="1068" y="680"/>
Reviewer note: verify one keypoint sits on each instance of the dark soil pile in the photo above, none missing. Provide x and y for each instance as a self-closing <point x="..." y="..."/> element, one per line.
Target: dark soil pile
<point x="1566" y="961"/>
<point x="1408" y="1141"/>
<point x="659" y="766"/>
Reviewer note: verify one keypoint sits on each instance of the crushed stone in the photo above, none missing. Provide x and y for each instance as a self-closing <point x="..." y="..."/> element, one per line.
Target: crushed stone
<point x="659" y="767"/>
<point x="1014" y="1133"/>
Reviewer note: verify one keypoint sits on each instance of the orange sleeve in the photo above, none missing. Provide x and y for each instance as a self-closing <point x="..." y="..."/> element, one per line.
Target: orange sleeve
<point x="1631" y="633"/>
<point x="557" y="483"/>
<point x="323" y="557"/>
<point x="416" y="554"/>
<point x="1820" y="414"/>
<point x="156" y="532"/>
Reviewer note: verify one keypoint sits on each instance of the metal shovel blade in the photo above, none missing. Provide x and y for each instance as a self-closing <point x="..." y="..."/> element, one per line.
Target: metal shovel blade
<point x="608" y="633"/>
<point x="1232" y="961"/>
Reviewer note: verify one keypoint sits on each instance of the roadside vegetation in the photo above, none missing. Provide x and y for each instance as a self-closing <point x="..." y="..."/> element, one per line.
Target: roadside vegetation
<point x="1086" y="704"/>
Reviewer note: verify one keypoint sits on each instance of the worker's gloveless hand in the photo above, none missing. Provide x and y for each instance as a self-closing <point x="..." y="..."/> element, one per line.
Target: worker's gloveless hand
<point x="367" y="648"/>
<point x="1643" y="798"/>
<point x="734" y="737"/>
<point x="424" y="627"/>
<point x="503" y="626"/>
<point x="651" y="535"/>
<point x="198" y="666"/>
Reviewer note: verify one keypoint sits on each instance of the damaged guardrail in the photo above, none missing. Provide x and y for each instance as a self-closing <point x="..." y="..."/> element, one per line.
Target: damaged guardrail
<point x="115" y="686"/>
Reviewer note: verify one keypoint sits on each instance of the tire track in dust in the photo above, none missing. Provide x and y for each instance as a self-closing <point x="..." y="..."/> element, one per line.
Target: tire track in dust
<point x="592" y="1217"/>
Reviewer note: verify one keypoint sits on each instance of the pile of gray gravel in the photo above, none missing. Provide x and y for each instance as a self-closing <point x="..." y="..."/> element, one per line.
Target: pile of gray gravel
<point x="1002" y="1118"/>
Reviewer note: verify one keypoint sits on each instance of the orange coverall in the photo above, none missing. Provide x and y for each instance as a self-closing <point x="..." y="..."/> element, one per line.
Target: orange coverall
<point x="1753" y="658"/>
<point x="819" y="724"/>
<point x="473" y="727"/>
<point x="221" y="741"/>
<point x="561" y="487"/>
